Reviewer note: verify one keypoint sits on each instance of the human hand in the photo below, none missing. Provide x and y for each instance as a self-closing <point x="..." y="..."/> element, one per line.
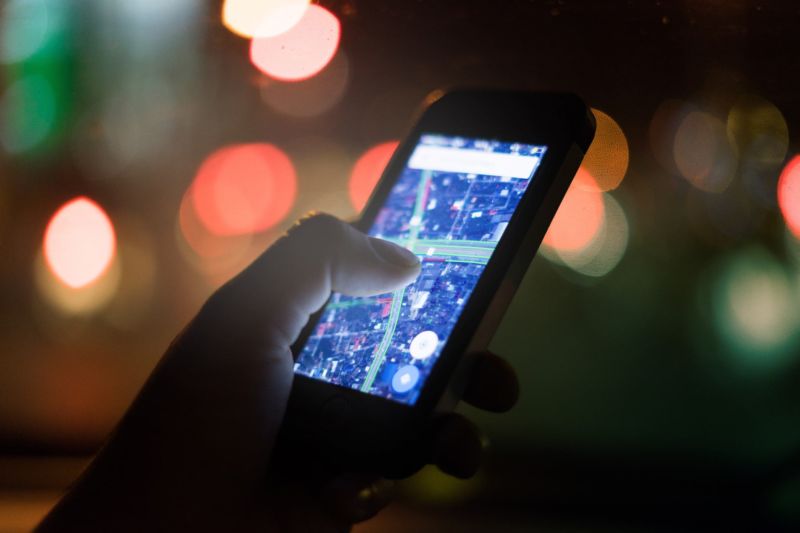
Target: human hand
<point x="194" y="450"/>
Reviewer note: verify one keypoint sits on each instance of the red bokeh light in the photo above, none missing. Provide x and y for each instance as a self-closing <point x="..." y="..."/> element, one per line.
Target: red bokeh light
<point x="789" y="195"/>
<point x="302" y="51"/>
<point x="79" y="242"/>
<point x="367" y="171"/>
<point x="244" y="188"/>
<point x="580" y="216"/>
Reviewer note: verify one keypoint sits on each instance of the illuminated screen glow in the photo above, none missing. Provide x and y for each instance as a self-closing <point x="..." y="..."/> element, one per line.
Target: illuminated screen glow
<point x="450" y="206"/>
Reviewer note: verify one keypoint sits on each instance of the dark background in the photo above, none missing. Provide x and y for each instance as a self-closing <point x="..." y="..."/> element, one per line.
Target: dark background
<point x="649" y="400"/>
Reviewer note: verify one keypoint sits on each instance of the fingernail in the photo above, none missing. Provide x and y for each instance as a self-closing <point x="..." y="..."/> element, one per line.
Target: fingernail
<point x="392" y="253"/>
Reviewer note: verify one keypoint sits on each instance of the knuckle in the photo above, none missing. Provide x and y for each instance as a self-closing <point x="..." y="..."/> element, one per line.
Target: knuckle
<point x="321" y="236"/>
<point x="318" y="226"/>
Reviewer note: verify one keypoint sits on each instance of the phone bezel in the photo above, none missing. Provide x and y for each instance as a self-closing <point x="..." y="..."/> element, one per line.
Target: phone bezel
<point x="556" y="120"/>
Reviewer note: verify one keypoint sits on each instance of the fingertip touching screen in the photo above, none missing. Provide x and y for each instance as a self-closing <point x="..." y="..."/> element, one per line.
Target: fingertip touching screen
<point x="449" y="206"/>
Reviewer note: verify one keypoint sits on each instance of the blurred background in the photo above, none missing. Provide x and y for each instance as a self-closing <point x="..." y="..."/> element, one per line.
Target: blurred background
<point x="150" y="149"/>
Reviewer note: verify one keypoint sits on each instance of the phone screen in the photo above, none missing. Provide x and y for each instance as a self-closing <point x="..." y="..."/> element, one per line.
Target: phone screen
<point x="449" y="206"/>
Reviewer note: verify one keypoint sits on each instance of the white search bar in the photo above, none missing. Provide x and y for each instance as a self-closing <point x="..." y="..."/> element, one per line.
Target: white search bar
<point x="468" y="161"/>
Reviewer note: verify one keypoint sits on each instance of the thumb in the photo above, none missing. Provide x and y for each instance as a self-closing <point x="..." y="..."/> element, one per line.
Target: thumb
<point x="320" y="254"/>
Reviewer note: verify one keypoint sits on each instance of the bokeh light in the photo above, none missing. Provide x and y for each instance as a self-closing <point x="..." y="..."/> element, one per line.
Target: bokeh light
<point x="83" y="300"/>
<point x="244" y="188"/>
<point x="367" y="172"/>
<point x="262" y="18"/>
<point x="203" y="244"/>
<point x="789" y="195"/>
<point x="662" y="129"/>
<point x="302" y="51"/>
<point x="27" y="113"/>
<point x="607" y="157"/>
<point x="137" y="123"/>
<point x="311" y="97"/>
<point x="24" y="27"/>
<point x="703" y="153"/>
<point x="756" y="310"/>
<point x="759" y="131"/>
<point x="217" y="258"/>
<point x="580" y="216"/>
<point x="79" y="242"/>
<point x="606" y="250"/>
<point x="146" y="28"/>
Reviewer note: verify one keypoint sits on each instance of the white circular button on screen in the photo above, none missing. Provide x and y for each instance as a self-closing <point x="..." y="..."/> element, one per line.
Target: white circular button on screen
<point x="405" y="378"/>
<point x="423" y="345"/>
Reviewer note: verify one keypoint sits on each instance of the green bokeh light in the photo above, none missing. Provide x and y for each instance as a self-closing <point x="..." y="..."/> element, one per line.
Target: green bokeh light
<point x="36" y="45"/>
<point x="756" y="311"/>
<point x="24" y="28"/>
<point x="28" y="110"/>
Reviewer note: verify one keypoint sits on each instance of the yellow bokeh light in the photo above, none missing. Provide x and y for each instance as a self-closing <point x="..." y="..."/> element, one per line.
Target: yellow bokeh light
<point x="607" y="157"/>
<point x="262" y="18"/>
<point x="84" y="300"/>
<point x="703" y="154"/>
<point x="758" y="130"/>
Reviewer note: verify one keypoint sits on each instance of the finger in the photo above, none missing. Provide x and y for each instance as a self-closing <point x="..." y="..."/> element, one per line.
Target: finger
<point x="493" y="384"/>
<point x="295" y="276"/>
<point x="354" y="498"/>
<point x="457" y="446"/>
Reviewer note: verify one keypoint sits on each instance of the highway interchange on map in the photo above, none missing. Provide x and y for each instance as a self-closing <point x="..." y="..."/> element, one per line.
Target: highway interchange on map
<point x="387" y="344"/>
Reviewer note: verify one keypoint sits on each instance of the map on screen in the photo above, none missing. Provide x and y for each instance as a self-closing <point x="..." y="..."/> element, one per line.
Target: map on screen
<point x="450" y="207"/>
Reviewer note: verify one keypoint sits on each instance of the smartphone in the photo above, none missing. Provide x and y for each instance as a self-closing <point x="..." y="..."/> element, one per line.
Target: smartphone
<point x="471" y="191"/>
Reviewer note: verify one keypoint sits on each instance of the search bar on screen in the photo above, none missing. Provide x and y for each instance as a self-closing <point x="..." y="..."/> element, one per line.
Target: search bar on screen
<point x="468" y="161"/>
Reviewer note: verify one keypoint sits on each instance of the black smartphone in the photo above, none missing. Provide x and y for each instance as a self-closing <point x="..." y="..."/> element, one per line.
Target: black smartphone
<point x="471" y="191"/>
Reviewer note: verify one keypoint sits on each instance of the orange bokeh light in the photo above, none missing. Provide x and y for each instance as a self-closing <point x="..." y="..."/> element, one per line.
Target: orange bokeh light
<point x="244" y="188"/>
<point x="580" y="216"/>
<point x="79" y="242"/>
<point x="302" y="51"/>
<point x="367" y="171"/>
<point x="789" y="195"/>
<point x="607" y="157"/>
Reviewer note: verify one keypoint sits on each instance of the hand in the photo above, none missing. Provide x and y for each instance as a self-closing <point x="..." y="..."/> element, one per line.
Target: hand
<point x="193" y="451"/>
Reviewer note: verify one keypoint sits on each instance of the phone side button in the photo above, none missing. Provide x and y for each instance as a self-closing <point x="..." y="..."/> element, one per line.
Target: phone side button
<point x="336" y="413"/>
